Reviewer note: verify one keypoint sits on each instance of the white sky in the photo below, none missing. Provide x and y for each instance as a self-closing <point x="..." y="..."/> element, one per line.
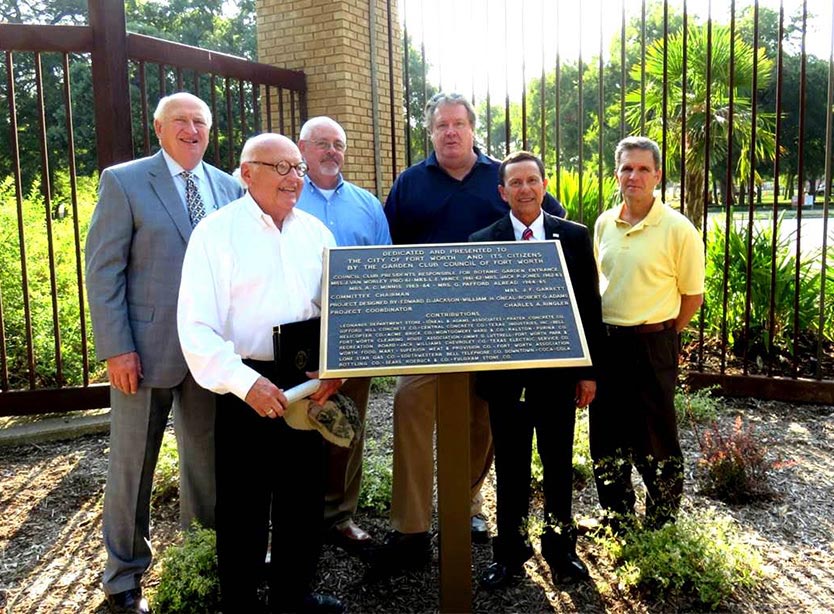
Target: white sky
<point x="474" y="42"/>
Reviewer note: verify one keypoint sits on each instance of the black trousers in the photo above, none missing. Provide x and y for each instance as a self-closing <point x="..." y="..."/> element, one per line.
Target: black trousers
<point x="633" y="422"/>
<point x="266" y="471"/>
<point x="549" y="410"/>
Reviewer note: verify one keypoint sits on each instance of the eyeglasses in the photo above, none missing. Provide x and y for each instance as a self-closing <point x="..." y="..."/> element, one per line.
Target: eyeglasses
<point x="326" y="145"/>
<point x="283" y="167"/>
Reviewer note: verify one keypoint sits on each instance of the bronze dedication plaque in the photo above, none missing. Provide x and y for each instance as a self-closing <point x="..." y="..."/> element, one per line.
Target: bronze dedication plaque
<point x="446" y="308"/>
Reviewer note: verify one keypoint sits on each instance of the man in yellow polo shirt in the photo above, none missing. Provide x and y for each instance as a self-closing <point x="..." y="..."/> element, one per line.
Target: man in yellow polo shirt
<point x="651" y="264"/>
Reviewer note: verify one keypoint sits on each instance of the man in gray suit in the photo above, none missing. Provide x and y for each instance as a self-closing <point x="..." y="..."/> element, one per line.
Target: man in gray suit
<point x="135" y="246"/>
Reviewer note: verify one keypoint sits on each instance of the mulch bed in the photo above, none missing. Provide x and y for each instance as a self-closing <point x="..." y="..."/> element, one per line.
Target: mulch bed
<point x="51" y="556"/>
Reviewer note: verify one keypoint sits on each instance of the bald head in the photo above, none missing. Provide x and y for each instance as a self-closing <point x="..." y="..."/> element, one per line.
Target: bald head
<point x="263" y="158"/>
<point x="254" y="146"/>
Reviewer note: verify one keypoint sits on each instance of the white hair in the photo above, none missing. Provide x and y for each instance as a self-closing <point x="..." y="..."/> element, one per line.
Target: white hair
<point x="321" y="120"/>
<point x="162" y="106"/>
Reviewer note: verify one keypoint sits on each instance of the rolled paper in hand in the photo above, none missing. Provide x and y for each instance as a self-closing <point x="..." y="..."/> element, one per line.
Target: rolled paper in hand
<point x="302" y="391"/>
<point x="296" y="413"/>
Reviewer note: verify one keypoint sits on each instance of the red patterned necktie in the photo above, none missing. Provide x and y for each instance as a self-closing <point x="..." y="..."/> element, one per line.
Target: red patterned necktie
<point x="527" y="234"/>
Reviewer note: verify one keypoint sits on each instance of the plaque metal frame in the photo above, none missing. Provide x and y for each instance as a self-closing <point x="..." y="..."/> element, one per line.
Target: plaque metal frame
<point x="397" y="254"/>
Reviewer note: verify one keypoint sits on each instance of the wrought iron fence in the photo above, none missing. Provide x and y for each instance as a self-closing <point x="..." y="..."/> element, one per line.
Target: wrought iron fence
<point x="746" y="136"/>
<point x="739" y="97"/>
<point x="67" y="117"/>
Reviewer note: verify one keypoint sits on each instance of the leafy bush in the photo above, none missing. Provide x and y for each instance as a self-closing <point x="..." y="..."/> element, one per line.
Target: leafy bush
<point x="375" y="494"/>
<point x="733" y="467"/>
<point x="384" y="384"/>
<point x="188" y="582"/>
<point x="37" y="296"/>
<point x="568" y="195"/>
<point x="699" y="406"/>
<point x="166" y="477"/>
<point x="762" y="257"/>
<point x="700" y="561"/>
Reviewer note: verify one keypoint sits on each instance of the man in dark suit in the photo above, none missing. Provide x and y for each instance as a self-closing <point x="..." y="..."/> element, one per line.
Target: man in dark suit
<point x="551" y="396"/>
<point x="135" y="247"/>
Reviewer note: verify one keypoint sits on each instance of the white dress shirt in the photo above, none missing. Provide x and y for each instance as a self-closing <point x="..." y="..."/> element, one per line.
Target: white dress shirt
<point x="240" y="277"/>
<point x="537" y="227"/>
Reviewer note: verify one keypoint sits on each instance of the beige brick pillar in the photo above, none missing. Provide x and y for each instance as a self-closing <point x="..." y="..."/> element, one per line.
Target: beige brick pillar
<point x="342" y="46"/>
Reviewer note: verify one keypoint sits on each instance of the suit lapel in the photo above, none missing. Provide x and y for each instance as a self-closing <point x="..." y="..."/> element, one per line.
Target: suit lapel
<point x="163" y="186"/>
<point x="218" y="189"/>
<point x="551" y="227"/>
<point x="504" y="230"/>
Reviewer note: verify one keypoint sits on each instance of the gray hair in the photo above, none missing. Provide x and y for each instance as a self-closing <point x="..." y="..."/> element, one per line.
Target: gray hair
<point x="316" y="122"/>
<point x="443" y="98"/>
<point x="637" y="142"/>
<point x="162" y="106"/>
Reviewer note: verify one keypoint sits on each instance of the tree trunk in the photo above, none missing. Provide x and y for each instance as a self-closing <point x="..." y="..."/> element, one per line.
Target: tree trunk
<point x="695" y="196"/>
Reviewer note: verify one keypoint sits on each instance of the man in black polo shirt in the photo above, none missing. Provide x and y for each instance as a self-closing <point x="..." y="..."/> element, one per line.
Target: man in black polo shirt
<point x="443" y="199"/>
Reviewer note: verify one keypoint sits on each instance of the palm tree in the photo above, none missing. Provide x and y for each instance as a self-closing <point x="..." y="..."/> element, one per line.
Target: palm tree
<point x="702" y="111"/>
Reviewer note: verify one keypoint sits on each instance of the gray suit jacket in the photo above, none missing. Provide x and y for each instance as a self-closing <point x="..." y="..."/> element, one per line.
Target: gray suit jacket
<point x="135" y="246"/>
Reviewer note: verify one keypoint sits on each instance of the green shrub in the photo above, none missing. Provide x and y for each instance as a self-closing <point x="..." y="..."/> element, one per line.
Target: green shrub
<point x="384" y="384"/>
<point x="568" y="195"/>
<point x="375" y="494"/>
<point x="732" y="466"/>
<point x="38" y="294"/>
<point x="166" y="477"/>
<point x="698" y="562"/>
<point x="762" y="257"/>
<point x="188" y="581"/>
<point x="699" y="406"/>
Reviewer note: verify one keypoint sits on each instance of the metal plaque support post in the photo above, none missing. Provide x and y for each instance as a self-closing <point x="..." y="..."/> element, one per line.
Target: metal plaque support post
<point x="453" y="492"/>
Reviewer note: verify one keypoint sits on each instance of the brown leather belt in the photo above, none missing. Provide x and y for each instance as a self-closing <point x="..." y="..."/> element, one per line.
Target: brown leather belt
<point x="640" y="329"/>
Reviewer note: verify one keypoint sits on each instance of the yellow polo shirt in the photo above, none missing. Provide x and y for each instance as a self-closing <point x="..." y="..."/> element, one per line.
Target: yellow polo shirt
<point x="644" y="269"/>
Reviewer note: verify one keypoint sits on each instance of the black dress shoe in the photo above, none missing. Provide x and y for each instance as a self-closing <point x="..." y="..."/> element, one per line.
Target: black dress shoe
<point x="399" y="552"/>
<point x="349" y="537"/>
<point x="568" y="568"/>
<point x="498" y="575"/>
<point x="323" y="604"/>
<point x="480" y="530"/>
<point x="128" y="602"/>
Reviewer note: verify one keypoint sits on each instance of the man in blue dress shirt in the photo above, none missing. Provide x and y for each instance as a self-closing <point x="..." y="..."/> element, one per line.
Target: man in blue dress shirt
<point x="355" y="217"/>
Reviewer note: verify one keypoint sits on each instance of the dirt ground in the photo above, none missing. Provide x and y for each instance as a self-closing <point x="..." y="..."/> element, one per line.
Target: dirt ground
<point x="51" y="556"/>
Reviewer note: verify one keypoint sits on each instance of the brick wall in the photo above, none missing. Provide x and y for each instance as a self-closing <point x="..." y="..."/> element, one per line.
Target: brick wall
<point x="330" y="40"/>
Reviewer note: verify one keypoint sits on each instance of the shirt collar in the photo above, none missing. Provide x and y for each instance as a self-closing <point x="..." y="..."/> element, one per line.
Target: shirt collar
<point x="482" y="158"/>
<point x="652" y="218"/>
<point x="312" y="186"/>
<point x="175" y="169"/>
<point x="264" y="219"/>
<point x="537" y="227"/>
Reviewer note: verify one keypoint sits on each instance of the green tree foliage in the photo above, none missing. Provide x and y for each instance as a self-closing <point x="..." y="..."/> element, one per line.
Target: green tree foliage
<point x="418" y="92"/>
<point x="707" y="53"/>
<point x="227" y="27"/>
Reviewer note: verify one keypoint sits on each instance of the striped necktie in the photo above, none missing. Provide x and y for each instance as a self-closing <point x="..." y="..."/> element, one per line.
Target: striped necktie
<point x="527" y="234"/>
<point x="193" y="200"/>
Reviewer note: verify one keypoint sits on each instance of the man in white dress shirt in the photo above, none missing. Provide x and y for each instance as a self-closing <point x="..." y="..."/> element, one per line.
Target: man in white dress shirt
<point x="255" y="264"/>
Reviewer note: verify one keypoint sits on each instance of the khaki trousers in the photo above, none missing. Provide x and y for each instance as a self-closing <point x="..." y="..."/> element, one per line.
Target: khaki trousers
<point x="415" y="410"/>
<point x="344" y="465"/>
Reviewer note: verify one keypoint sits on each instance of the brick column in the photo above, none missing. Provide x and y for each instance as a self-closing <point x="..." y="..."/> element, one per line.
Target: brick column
<point x="343" y="48"/>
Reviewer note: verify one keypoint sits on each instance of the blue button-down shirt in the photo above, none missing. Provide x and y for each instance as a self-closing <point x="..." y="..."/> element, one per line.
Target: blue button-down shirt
<point x="427" y="205"/>
<point x="352" y="214"/>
